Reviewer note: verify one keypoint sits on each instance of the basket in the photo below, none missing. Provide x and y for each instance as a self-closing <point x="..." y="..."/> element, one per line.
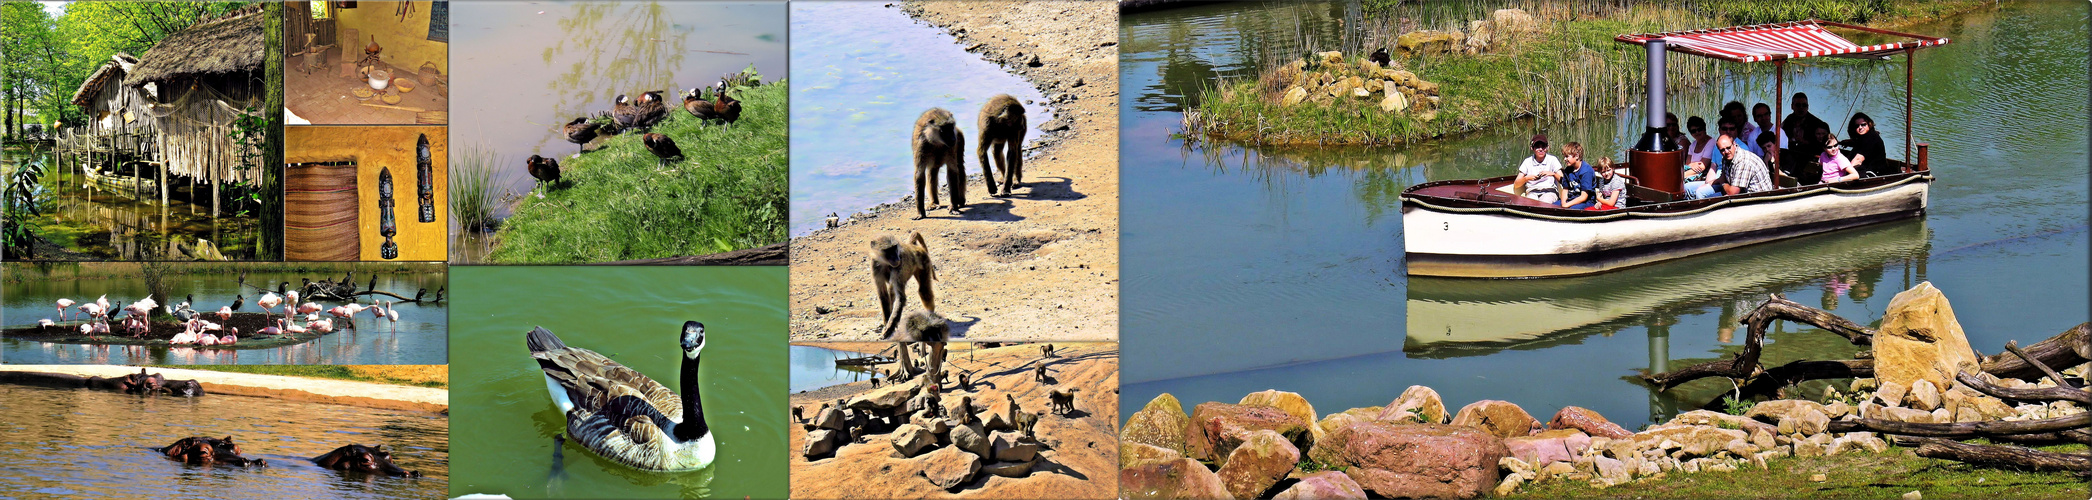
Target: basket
<point x="320" y="212"/>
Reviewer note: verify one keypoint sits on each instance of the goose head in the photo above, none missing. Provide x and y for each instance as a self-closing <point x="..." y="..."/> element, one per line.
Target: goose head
<point x="693" y="339"/>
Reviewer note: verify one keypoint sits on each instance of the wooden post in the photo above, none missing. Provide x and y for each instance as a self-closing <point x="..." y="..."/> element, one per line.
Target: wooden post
<point x="1910" y="62"/>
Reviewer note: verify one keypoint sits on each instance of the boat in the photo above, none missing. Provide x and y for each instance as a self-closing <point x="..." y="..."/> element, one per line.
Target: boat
<point x="1479" y="228"/>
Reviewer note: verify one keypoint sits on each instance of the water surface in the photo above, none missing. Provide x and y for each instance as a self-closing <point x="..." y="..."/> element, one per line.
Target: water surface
<point x="105" y="224"/>
<point x="83" y="443"/>
<point x="814" y="368"/>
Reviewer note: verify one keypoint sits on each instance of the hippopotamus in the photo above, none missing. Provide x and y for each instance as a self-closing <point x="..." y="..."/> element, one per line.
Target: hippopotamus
<point x="208" y="450"/>
<point x="360" y="458"/>
<point x="140" y="383"/>
<point x="182" y="387"/>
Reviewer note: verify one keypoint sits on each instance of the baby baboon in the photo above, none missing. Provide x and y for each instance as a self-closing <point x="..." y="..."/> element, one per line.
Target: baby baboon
<point x="939" y="144"/>
<point x="1002" y="130"/>
<point x="1061" y="401"/>
<point x="966" y="380"/>
<point x="798" y="413"/>
<point x="894" y="262"/>
<point x="965" y="408"/>
<point x="1039" y="374"/>
<point x="875" y="379"/>
<point x="1024" y="421"/>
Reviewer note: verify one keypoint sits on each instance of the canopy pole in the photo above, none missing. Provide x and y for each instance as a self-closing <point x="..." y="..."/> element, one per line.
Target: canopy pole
<point x="1909" y="70"/>
<point x="1779" y="116"/>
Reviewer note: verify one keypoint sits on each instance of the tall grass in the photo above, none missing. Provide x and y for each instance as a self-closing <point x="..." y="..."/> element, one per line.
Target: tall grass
<point x="616" y="203"/>
<point x="473" y="193"/>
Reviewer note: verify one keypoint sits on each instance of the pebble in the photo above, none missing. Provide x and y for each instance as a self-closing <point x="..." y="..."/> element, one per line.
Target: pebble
<point x="1819" y="478"/>
<point x="1913" y="495"/>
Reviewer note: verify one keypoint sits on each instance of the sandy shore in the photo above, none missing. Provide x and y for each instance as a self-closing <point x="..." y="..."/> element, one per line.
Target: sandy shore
<point x="1042" y="264"/>
<point x="342" y="392"/>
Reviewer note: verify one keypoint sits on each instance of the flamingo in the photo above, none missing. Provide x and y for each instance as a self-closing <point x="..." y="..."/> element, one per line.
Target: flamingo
<point x="290" y="297"/>
<point x="207" y="339"/>
<point x="62" y="304"/>
<point x="187" y="336"/>
<point x="392" y="316"/>
<point x="294" y="328"/>
<point x="88" y="330"/>
<point x="269" y="331"/>
<point x="230" y="337"/>
<point x="102" y="302"/>
<point x="308" y="308"/>
<point x="268" y="301"/>
<point x="225" y="313"/>
<point x="324" y="325"/>
<point x="45" y="323"/>
<point x="101" y="328"/>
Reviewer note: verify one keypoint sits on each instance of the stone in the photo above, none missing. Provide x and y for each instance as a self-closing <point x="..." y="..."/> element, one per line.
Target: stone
<point x="1514" y="465"/>
<point x="1414" y="460"/>
<point x="1508" y="22"/>
<point x="1261" y="461"/>
<point x="831" y="418"/>
<point x="1394" y="103"/>
<point x="1837" y="410"/>
<point x="1941" y="416"/>
<point x="910" y="440"/>
<point x="1013" y="447"/>
<point x="1548" y="447"/>
<point x="973" y="439"/>
<point x="1180" y="478"/>
<point x="1819" y="478"/>
<point x="1478" y="35"/>
<point x="1374" y="85"/>
<point x="1763" y="440"/>
<point x="1293" y="405"/>
<point x="1718" y="419"/>
<point x="1294" y="96"/>
<point x="1914" y="495"/>
<point x="1920" y="339"/>
<point x="1327" y="484"/>
<point x="1991" y="408"/>
<point x="1891" y="393"/>
<point x="885" y="398"/>
<point x="1008" y="469"/>
<point x="822" y="443"/>
<point x="1558" y="469"/>
<point x="1509" y="485"/>
<point x="994" y="421"/>
<point x="1500" y="418"/>
<point x="1910" y="415"/>
<point x="1216" y="428"/>
<point x="1428" y="42"/>
<point x="1611" y="470"/>
<point x="1361" y="92"/>
<point x="1161" y="423"/>
<point x="950" y="467"/>
<point x="1924" y="396"/>
<point x="1331" y="57"/>
<point x="1135" y="454"/>
<point x="1579" y="418"/>
<point x="1691" y="440"/>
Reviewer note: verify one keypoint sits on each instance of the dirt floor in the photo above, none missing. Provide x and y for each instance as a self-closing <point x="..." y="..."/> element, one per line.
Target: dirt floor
<point x="323" y="96"/>
<point x="343" y="392"/>
<point x="1081" y="459"/>
<point x="1040" y="265"/>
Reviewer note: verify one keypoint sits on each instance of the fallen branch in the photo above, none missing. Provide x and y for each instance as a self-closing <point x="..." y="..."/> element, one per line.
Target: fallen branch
<point x="2012" y="346"/>
<point x="1745" y="364"/>
<point x="2080" y="436"/>
<point x="2041" y="394"/>
<point x="2004" y="456"/>
<point x="1780" y="377"/>
<point x="2071" y="348"/>
<point x="1965" y="430"/>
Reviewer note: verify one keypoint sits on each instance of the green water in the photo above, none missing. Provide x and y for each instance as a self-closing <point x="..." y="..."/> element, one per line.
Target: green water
<point x="102" y="224"/>
<point x="634" y="315"/>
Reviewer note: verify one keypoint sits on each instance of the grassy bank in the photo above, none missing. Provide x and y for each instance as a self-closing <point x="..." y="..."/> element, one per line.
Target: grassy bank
<point x="52" y="271"/>
<point x="616" y="202"/>
<point x="1849" y="475"/>
<point x="436" y="376"/>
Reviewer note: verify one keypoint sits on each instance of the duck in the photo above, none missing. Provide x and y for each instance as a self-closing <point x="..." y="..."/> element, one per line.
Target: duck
<point x="545" y="170"/>
<point x="622" y="414"/>
<point x="1380" y="58"/>
<point x="580" y="131"/>
<point x="728" y="108"/>
<point x="662" y="146"/>
<point x="651" y="109"/>
<point x="697" y="106"/>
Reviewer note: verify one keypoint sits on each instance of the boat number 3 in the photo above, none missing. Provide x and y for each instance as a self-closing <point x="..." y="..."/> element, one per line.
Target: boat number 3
<point x="1449" y="226"/>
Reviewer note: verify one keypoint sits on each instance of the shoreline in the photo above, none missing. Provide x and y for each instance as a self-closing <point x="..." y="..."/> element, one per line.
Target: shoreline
<point x="1055" y="242"/>
<point x="311" y="390"/>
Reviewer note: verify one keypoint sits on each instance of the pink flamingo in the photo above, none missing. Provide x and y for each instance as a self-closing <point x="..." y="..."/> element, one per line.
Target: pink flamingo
<point x="45" y="323"/>
<point x="206" y="339"/>
<point x="392" y="316"/>
<point x="102" y="303"/>
<point x="88" y="330"/>
<point x="62" y="304"/>
<point x="269" y="301"/>
<point x="230" y="337"/>
<point x="308" y="308"/>
<point x="294" y="328"/>
<point x="225" y="313"/>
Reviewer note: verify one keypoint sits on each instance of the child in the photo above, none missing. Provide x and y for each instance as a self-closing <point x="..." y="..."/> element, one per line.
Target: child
<point x="1612" y="188"/>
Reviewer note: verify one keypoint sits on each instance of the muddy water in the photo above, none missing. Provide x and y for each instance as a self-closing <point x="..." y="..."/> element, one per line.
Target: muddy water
<point x="97" y="444"/>
<point x="419" y="338"/>
<point x="104" y="224"/>
<point x="1294" y="279"/>
<point x="814" y="368"/>
<point x="866" y="71"/>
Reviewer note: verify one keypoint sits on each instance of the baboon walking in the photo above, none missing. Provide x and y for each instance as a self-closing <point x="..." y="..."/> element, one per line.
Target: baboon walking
<point x="894" y="262"/>
<point x="1062" y="401"/>
<point x="1039" y="373"/>
<point x="938" y="143"/>
<point x="1002" y="130"/>
<point x="1024" y="421"/>
<point x="1046" y="351"/>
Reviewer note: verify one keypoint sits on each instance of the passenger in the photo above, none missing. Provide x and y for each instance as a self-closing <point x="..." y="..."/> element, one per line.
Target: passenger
<point x="1761" y="116"/>
<point x="1540" y="173"/>
<point x="1702" y="145"/>
<point x="1799" y="163"/>
<point x="1612" y="188"/>
<point x="1734" y="111"/>
<point x="1768" y="142"/>
<point x="1733" y="127"/>
<point x="1577" y="185"/>
<point x="1749" y="172"/>
<point x="1671" y="132"/>
<point x="1836" y="167"/>
<point x="1868" y="154"/>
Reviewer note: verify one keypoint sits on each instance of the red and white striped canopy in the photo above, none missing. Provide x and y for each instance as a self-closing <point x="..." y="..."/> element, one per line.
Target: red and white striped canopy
<point x="1766" y="42"/>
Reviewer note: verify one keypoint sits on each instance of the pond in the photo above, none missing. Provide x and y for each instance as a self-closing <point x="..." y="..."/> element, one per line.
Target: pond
<point x="633" y="316"/>
<point x="94" y="444"/>
<point x="1294" y="278"/>
<point x="866" y="71"/>
<point x="814" y="368"/>
<point x="420" y="337"/>
<point x="99" y="223"/>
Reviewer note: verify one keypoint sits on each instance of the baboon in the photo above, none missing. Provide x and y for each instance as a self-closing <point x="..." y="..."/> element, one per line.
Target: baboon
<point x="966" y="380"/>
<point x="1380" y="57"/>
<point x="965" y="410"/>
<point x="938" y="143"/>
<point x="834" y="220"/>
<point x="1062" y="401"/>
<point x="894" y="262"/>
<point x="1046" y="351"/>
<point x="1024" y="421"/>
<point x="798" y="414"/>
<point x="875" y="379"/>
<point x="1039" y="373"/>
<point x="1002" y="130"/>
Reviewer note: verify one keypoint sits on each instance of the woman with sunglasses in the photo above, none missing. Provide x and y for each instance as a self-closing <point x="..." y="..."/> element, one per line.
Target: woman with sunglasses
<point x="1869" y="157"/>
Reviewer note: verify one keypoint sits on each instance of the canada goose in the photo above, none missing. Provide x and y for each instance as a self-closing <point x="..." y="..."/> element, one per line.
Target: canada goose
<point x="580" y="131"/>
<point x="697" y="106"/>
<point x="1380" y="57"/>
<point x="545" y="170"/>
<point x="621" y="414"/>
<point x="662" y="147"/>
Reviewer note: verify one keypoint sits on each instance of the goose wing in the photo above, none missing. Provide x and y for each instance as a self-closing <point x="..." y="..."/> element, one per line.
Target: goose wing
<point x="631" y="430"/>
<point x="591" y="380"/>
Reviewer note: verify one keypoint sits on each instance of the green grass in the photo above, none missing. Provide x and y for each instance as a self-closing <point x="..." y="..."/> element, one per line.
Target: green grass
<point x="1850" y="475"/>
<point x="473" y="194"/>
<point x="421" y="376"/>
<point x="614" y="203"/>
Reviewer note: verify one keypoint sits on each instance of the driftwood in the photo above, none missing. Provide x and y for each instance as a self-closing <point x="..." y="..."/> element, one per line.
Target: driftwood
<point x="2004" y="456"/>
<point x="2011" y="394"/>
<point x="1964" y="430"/>
<point x="1745" y="364"/>
<point x="2070" y="348"/>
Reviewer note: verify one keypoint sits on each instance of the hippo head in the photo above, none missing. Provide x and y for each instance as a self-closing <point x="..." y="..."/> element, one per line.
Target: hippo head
<point x="181" y="387"/>
<point x="209" y="450"/>
<point x="365" y="459"/>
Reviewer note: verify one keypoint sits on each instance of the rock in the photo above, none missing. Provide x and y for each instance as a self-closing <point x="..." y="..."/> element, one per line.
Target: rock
<point x="1331" y="57"/>
<point x="1692" y="440"/>
<point x="910" y="440"/>
<point x="1508" y="22"/>
<point x="1478" y="35"/>
<point x="1891" y="393"/>
<point x="1819" y="478"/>
<point x="1394" y="103"/>
<point x="1416" y="401"/>
<point x="1558" y="469"/>
<point x="1509" y="485"/>
<point x="1161" y="424"/>
<point x="1941" y="416"/>
<point x="1514" y="465"/>
<point x="1579" y="418"/>
<point x="822" y="443"/>
<point x="1261" y="461"/>
<point x="885" y="398"/>
<point x="1216" y="428"/>
<point x="1804" y="420"/>
<point x="1990" y="407"/>
<point x="1135" y="454"/>
<point x="1293" y="97"/>
<point x="1293" y="405"/>
<point x="1323" y="485"/>
<point x="1374" y="85"/>
<point x="1428" y="42"/>
<point x="1859" y="441"/>
<point x="1013" y="447"/>
<point x="1837" y="410"/>
<point x="1718" y="419"/>
<point x="1560" y="445"/>
<point x="950" y="467"/>
<point x="973" y="439"/>
<point x="1924" y="396"/>
<point x="1180" y="478"/>
<point x="1613" y="471"/>
<point x="1361" y="93"/>
<point x="994" y="421"/>
<point x="1921" y="340"/>
<point x="1913" y="495"/>
<point x="1008" y="469"/>
<point x="1911" y="415"/>
<point x="1500" y="418"/>
<point x="1414" y="460"/>
<point x="1763" y="440"/>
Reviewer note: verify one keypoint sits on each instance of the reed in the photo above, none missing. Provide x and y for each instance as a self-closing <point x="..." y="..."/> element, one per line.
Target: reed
<point x="473" y="192"/>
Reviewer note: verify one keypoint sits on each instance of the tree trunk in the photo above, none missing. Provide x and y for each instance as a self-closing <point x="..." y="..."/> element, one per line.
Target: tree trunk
<point x="270" y="245"/>
<point x="2005" y="456"/>
<point x="2070" y="348"/>
<point x="1964" y="430"/>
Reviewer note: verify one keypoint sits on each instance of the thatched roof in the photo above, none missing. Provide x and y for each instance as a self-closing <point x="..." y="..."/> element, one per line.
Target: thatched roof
<point x="228" y="44"/>
<point x="93" y="86"/>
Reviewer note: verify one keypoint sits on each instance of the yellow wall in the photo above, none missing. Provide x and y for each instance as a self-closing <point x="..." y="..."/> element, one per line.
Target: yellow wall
<point x="376" y="148"/>
<point x="406" y="43"/>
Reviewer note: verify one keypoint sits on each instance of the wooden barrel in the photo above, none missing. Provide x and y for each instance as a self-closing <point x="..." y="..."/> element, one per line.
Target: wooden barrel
<point x="319" y="214"/>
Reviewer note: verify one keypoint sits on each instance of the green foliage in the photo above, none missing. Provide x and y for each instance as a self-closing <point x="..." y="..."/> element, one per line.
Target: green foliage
<point x="249" y="131"/>
<point x="473" y="195"/>
<point x="22" y="205"/>
<point x="1311" y="466"/>
<point x="618" y="203"/>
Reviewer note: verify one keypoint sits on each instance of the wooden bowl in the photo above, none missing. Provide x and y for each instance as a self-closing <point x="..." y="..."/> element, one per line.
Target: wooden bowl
<point x="404" y="85"/>
<point x="363" y="94"/>
<point x="391" y="98"/>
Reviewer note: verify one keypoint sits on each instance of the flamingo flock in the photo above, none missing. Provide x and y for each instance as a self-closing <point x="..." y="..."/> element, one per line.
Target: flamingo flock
<point x="297" y="317"/>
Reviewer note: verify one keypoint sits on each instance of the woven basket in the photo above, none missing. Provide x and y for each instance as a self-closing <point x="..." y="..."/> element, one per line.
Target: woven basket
<point x="319" y="215"/>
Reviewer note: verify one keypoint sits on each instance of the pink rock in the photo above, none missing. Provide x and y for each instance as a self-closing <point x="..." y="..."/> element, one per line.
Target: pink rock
<point x="1180" y="478"/>
<point x="1414" y="460"/>
<point x="1216" y="428"/>
<point x="1561" y="445"/>
<point x="1579" y="418"/>
<point x="1327" y="484"/>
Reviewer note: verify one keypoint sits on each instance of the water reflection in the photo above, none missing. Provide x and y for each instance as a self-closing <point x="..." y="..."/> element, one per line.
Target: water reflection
<point x="95" y="222"/>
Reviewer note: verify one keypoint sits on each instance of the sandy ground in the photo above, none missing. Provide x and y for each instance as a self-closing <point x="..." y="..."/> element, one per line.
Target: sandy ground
<point x="1054" y="244"/>
<point x="344" y="392"/>
<point x="1081" y="460"/>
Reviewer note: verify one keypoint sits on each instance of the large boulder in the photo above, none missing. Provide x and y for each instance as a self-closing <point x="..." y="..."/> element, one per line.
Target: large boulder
<point x="1261" y="461"/>
<point x="1133" y="454"/>
<point x="1325" y="485"/>
<point x="1696" y="440"/>
<point x="1501" y="418"/>
<point x="1161" y="423"/>
<point x="1216" y="428"/>
<point x="950" y="467"/>
<point x="1180" y="478"/>
<point x="1429" y="42"/>
<point x="822" y="443"/>
<point x="910" y="440"/>
<point x="1293" y="405"/>
<point x="1013" y="447"/>
<point x="1417" y="401"/>
<point x="1414" y="460"/>
<point x="831" y="418"/>
<point x="1560" y="445"/>
<point x="1579" y="418"/>
<point x="1920" y="340"/>
<point x="885" y="398"/>
<point x="1293" y="96"/>
<point x="973" y="439"/>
